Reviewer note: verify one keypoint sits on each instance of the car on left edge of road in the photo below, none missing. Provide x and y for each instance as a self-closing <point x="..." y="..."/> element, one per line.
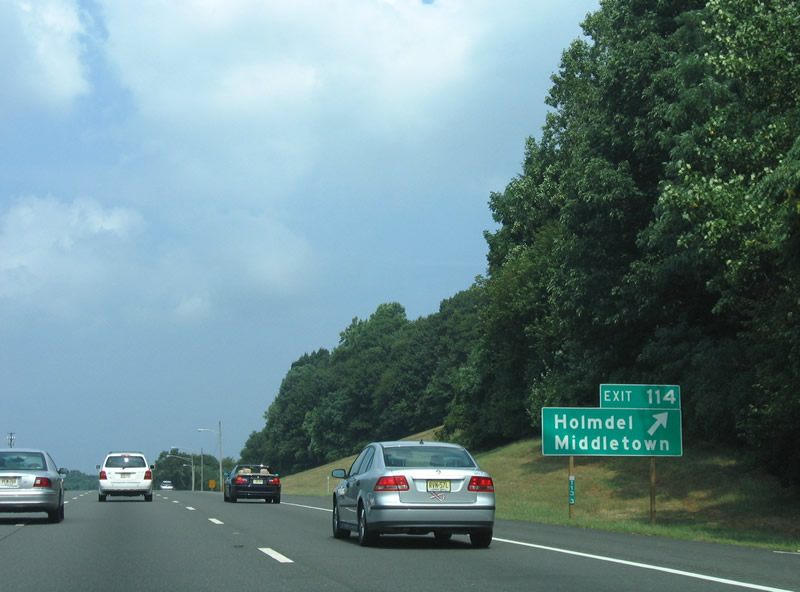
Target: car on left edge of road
<point x="249" y="481"/>
<point x="30" y="481"/>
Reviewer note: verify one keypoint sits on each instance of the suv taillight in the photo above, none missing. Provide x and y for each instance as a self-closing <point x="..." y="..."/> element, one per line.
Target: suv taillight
<point x="103" y="476"/>
<point x="42" y="482"/>
<point x="148" y="475"/>
<point x="481" y="484"/>
<point x="392" y="483"/>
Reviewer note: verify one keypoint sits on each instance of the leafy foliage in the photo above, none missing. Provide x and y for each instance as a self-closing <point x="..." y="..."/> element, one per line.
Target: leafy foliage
<point x="653" y="236"/>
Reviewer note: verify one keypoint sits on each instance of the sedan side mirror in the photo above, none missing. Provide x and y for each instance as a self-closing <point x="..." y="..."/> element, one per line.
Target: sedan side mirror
<point x="339" y="473"/>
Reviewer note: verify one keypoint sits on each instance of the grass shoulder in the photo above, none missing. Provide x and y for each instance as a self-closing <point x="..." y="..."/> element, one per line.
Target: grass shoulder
<point x="706" y="495"/>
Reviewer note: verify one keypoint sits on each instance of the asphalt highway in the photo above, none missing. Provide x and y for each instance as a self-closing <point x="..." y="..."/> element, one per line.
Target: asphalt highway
<point x="194" y="541"/>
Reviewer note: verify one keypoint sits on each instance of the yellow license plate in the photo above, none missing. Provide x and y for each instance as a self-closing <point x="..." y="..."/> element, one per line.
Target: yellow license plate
<point x="439" y="485"/>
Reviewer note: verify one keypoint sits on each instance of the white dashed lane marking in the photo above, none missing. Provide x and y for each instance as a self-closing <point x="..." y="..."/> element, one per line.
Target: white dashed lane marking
<point x="275" y="555"/>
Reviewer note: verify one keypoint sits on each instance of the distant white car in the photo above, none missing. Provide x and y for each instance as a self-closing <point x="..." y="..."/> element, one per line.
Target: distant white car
<point x="166" y="485"/>
<point x="125" y="473"/>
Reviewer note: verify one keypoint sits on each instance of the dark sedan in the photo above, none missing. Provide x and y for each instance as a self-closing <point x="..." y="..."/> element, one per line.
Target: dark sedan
<point x="252" y="482"/>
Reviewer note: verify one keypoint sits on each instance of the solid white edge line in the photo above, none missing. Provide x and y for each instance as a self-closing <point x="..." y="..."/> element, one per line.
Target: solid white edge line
<point x="275" y="555"/>
<point x="309" y="507"/>
<point x="678" y="572"/>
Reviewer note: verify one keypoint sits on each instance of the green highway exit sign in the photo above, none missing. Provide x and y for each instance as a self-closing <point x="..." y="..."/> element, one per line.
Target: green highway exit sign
<point x="592" y="431"/>
<point x="640" y="396"/>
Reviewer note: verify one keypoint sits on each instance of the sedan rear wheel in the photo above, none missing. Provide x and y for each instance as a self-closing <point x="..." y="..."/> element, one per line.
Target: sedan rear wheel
<point x="56" y="515"/>
<point x="481" y="538"/>
<point x="365" y="536"/>
<point x="442" y="536"/>
<point x="338" y="531"/>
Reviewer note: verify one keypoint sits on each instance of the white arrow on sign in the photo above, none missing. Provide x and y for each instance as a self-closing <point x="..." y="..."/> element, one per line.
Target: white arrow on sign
<point x="661" y="420"/>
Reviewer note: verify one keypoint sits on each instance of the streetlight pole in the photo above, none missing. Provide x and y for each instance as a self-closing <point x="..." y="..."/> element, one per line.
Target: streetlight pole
<point x="219" y="435"/>
<point x="193" y="451"/>
<point x="185" y="458"/>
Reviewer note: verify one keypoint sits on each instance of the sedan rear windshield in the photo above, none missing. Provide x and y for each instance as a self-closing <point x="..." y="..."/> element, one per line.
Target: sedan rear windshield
<point x="426" y="456"/>
<point x="247" y="469"/>
<point x="124" y="462"/>
<point x="22" y="460"/>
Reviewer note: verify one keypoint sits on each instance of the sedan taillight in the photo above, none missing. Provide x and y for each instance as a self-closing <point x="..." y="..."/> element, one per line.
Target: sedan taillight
<point x="481" y="484"/>
<point x="392" y="483"/>
<point x="103" y="476"/>
<point x="240" y="481"/>
<point x="42" y="482"/>
<point x="148" y="475"/>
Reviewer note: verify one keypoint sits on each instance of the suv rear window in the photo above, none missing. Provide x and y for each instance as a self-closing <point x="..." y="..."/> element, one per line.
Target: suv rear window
<point x="123" y="462"/>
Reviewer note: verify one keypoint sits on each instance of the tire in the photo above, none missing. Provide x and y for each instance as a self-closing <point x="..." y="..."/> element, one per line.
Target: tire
<point x="232" y="498"/>
<point x="442" y="537"/>
<point x="481" y="539"/>
<point x="366" y="537"/>
<point x="55" y="516"/>
<point x="276" y="500"/>
<point x="338" y="531"/>
<point x="101" y="497"/>
<point x="148" y="497"/>
<point x="225" y="497"/>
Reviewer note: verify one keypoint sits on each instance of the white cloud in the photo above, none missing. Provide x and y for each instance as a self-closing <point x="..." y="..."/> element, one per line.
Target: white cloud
<point x="56" y="254"/>
<point x="65" y="257"/>
<point x="42" y="54"/>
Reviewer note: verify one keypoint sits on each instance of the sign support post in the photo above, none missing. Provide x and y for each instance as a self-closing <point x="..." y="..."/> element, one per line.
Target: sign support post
<point x="571" y="487"/>
<point x="653" y="490"/>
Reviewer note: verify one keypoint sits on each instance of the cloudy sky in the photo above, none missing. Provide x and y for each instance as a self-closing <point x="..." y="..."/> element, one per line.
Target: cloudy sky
<point x="195" y="193"/>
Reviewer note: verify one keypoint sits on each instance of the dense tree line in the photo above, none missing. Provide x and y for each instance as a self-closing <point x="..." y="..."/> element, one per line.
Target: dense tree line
<point x="388" y="377"/>
<point x="653" y="236"/>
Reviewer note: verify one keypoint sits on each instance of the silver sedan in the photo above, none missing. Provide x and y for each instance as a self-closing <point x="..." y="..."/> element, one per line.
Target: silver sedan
<point x="30" y="481"/>
<point x="411" y="487"/>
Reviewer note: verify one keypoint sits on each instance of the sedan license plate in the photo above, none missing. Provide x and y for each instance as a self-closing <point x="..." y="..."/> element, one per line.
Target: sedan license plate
<point x="258" y="481"/>
<point x="438" y="485"/>
<point x="8" y="482"/>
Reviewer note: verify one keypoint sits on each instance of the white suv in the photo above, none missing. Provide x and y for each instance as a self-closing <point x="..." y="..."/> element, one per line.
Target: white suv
<point x="125" y="473"/>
